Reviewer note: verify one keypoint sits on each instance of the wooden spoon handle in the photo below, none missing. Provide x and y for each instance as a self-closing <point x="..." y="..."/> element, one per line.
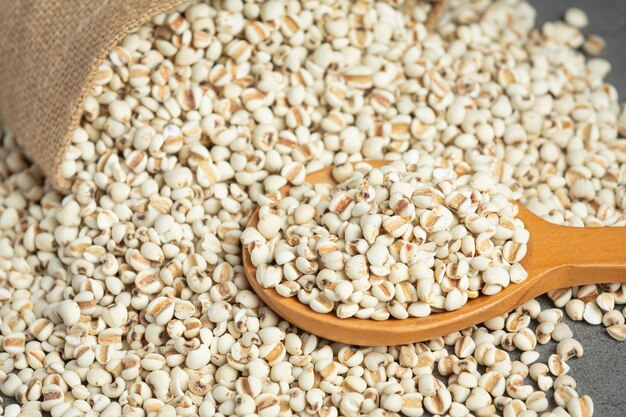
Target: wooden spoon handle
<point x="566" y="256"/>
<point x="557" y="257"/>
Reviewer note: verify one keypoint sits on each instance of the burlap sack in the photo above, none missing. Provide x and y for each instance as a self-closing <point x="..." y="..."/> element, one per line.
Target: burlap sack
<point x="49" y="52"/>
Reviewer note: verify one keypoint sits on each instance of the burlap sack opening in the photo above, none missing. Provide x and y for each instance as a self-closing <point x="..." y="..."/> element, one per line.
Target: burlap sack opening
<point x="49" y="53"/>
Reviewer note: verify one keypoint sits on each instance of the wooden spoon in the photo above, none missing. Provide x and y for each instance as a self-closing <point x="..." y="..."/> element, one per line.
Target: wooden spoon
<point x="557" y="257"/>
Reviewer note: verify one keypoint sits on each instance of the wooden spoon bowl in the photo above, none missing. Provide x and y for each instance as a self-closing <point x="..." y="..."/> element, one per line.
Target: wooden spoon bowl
<point x="557" y="257"/>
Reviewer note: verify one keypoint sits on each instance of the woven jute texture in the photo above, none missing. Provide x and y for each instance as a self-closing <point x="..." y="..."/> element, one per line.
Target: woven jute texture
<point x="49" y="53"/>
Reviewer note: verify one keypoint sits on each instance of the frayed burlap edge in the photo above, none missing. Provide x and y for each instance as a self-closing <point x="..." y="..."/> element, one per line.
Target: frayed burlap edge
<point x="77" y="113"/>
<point x="437" y="10"/>
<point x="47" y="139"/>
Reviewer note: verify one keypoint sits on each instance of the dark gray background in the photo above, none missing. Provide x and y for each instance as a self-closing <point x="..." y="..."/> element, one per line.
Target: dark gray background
<point x="607" y="18"/>
<point x="601" y="372"/>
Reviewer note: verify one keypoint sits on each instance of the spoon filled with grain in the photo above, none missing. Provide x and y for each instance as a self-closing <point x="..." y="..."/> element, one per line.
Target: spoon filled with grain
<point x="374" y="253"/>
